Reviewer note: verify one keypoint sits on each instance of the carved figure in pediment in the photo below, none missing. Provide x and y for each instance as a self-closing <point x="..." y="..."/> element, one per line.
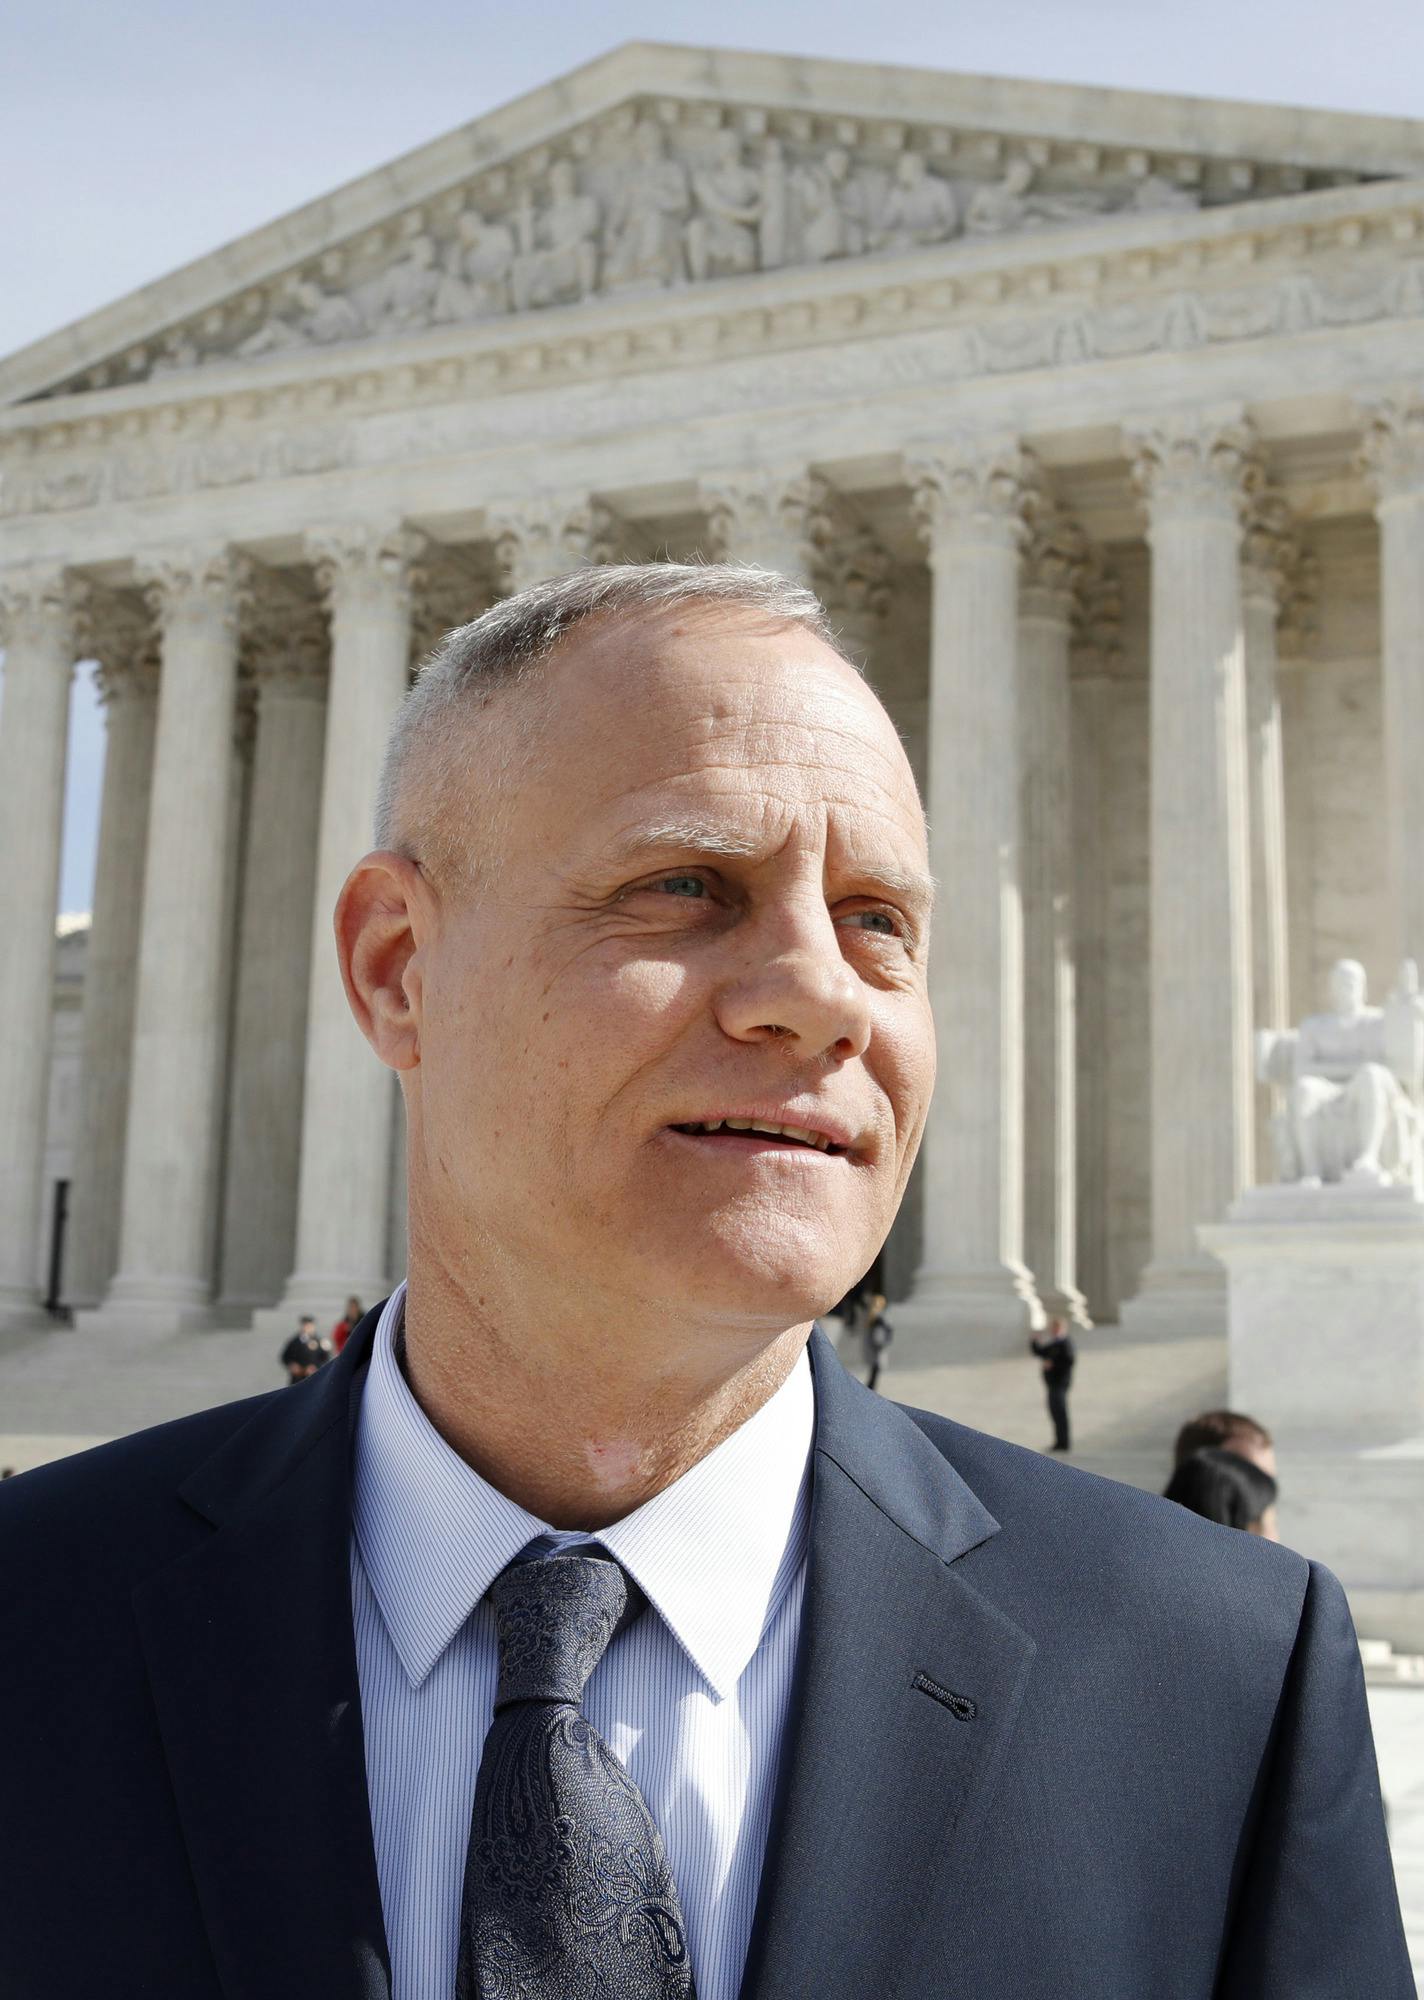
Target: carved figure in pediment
<point x="1156" y="196"/>
<point x="832" y="208"/>
<point x="645" y="231"/>
<point x="486" y="259"/>
<point x="1012" y="203"/>
<point x="919" y="209"/>
<point x="278" y="333"/>
<point x="775" y="205"/>
<point x="1000" y="205"/>
<point x="177" y="352"/>
<point x="328" y="317"/>
<point x="404" y="294"/>
<point x="722" y="236"/>
<point x="558" y="258"/>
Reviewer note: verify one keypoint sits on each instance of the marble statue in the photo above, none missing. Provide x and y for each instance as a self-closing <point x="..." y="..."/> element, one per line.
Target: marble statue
<point x="1000" y="205"/>
<point x="404" y="294"/>
<point x="487" y="253"/>
<point x="645" y="226"/>
<point x="830" y="206"/>
<point x="775" y="205"/>
<point x="1155" y="196"/>
<point x="558" y="258"/>
<point x="327" y="317"/>
<point x="1352" y="1080"/>
<point x="919" y="209"/>
<point x="311" y="317"/>
<point x="722" y="235"/>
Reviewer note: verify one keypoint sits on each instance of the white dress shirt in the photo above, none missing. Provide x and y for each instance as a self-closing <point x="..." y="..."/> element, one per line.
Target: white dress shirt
<point x="692" y="1696"/>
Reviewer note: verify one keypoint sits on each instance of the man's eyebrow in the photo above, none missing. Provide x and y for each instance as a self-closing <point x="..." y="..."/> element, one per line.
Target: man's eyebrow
<point x="687" y="837"/>
<point x="692" y="837"/>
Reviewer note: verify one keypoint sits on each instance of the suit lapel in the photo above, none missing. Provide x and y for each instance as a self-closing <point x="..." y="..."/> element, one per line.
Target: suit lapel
<point x="252" y="1663"/>
<point x="908" y="1686"/>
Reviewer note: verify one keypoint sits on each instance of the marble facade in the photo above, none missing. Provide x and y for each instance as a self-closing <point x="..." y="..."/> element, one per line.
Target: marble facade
<point x="1096" y="418"/>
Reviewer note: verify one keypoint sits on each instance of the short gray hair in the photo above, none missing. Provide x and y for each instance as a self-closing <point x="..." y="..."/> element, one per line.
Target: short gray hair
<point x="507" y="646"/>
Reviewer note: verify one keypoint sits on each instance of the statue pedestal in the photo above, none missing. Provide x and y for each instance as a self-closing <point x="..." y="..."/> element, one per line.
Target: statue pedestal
<point x="1325" y="1340"/>
<point x="1325" y="1313"/>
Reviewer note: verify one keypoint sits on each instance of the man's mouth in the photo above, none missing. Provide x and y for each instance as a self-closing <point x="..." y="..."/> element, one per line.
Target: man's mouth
<point x="791" y="1137"/>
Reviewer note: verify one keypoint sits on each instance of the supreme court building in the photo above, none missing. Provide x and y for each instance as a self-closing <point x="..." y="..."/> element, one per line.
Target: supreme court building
<point x="1097" y="420"/>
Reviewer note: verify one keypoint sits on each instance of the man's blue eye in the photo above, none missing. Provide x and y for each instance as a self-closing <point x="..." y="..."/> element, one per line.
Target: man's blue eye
<point x="683" y="885"/>
<point x="872" y="918"/>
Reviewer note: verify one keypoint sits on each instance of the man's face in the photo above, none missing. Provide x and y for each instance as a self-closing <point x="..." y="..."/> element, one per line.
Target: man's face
<point x="709" y="901"/>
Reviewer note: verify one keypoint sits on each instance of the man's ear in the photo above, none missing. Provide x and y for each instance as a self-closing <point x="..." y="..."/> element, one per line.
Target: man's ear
<point x="383" y="916"/>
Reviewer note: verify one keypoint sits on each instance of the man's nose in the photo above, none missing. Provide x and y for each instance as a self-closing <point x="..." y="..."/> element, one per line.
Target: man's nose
<point x="800" y="991"/>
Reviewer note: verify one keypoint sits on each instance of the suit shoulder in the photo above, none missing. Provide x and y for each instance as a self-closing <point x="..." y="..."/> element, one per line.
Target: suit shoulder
<point x="116" y="1502"/>
<point x="1133" y="1548"/>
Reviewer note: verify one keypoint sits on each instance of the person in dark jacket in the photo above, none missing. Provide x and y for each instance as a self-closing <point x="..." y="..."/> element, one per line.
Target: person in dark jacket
<point x="1057" y="1356"/>
<point x="306" y="1351"/>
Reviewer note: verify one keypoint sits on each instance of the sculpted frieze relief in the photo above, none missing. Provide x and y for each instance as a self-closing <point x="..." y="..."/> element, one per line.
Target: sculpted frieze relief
<point x="293" y="431"/>
<point x="660" y="196"/>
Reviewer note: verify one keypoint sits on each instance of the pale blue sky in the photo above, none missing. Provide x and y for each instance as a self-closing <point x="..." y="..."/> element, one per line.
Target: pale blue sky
<point x="134" y="138"/>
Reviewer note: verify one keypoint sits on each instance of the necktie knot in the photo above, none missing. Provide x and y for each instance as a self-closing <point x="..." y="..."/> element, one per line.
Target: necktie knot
<point x="554" y="1617"/>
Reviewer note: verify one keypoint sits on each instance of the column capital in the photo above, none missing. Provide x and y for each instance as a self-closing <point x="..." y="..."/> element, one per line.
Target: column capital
<point x="40" y="604"/>
<point x="850" y="567"/>
<point x="120" y="633"/>
<point x="1055" y="567"/>
<point x="973" y="489"/>
<point x="773" y="516"/>
<point x="1276" y="571"/>
<point x="1192" y="464"/>
<point x="1391" y="454"/>
<point x="286" y="642"/>
<point x="196" y="585"/>
<point x="1097" y="621"/>
<point x="364" y="562"/>
<point x="545" y="536"/>
<point x="295" y="671"/>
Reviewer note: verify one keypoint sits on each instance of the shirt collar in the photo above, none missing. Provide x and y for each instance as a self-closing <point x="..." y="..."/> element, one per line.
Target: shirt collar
<point x="714" y="1553"/>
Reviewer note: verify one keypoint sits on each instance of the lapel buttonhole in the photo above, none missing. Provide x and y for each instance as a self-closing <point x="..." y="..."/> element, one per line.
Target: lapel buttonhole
<point x="959" y="1705"/>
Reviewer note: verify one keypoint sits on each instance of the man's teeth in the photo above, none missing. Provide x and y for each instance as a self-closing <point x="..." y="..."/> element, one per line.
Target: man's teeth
<point x="807" y="1138"/>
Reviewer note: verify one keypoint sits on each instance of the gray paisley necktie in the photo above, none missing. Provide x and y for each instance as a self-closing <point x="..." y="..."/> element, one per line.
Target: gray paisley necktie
<point x="568" y="1893"/>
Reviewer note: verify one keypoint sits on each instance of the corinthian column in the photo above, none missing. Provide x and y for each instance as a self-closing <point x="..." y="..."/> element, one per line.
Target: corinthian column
<point x="769" y="519"/>
<point x="1191" y="471"/>
<point x="851" y="576"/>
<point x="273" y="970"/>
<point x="37" y="629"/>
<point x="1054" y="565"/>
<point x="344" y="1177"/>
<point x="125" y="642"/>
<point x="537" y="539"/>
<point x="1393" y="455"/>
<point x="970" y="500"/>
<point x="1270" y="563"/>
<point x="164" y="1280"/>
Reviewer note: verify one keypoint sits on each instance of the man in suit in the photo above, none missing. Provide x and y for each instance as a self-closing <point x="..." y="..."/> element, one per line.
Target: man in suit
<point x="598" y="1631"/>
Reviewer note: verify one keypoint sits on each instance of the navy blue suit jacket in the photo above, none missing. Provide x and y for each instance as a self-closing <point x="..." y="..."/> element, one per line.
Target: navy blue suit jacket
<point x="1053" y="1739"/>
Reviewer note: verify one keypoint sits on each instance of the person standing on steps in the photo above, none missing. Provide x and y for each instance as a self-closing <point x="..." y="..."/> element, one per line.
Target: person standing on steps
<point x="1057" y="1356"/>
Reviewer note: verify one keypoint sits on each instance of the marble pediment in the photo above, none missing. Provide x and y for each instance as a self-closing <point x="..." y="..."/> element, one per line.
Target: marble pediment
<point x="654" y="171"/>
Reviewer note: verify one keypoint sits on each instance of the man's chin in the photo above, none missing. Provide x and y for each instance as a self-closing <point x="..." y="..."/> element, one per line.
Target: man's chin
<point x="761" y="1292"/>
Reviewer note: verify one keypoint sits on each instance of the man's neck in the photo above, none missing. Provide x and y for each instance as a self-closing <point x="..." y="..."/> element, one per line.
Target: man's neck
<point x="574" y="1425"/>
